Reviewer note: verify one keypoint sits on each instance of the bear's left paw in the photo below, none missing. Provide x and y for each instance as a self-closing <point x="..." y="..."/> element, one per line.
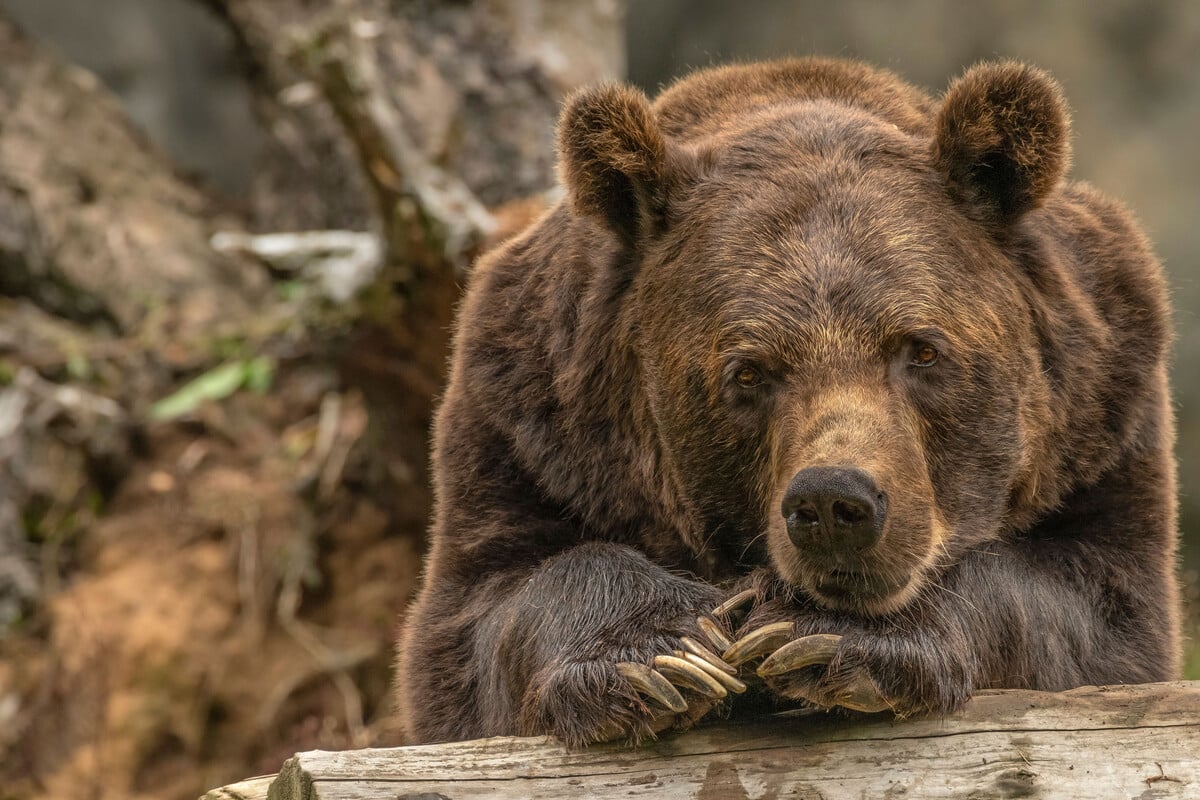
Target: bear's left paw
<point x="861" y="671"/>
<point x="856" y="691"/>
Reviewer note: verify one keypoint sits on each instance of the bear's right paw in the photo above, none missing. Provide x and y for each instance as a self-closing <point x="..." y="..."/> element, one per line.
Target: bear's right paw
<point x="601" y="700"/>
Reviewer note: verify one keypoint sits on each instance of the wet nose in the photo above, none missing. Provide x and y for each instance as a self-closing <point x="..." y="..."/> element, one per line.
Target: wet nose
<point x="837" y="509"/>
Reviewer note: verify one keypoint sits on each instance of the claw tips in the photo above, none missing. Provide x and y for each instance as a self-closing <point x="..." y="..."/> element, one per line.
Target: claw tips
<point x="737" y="601"/>
<point x="804" y="652"/>
<point x="697" y="649"/>
<point x="653" y="685"/>
<point x="683" y="672"/>
<point x="758" y="642"/>
<point x="714" y="634"/>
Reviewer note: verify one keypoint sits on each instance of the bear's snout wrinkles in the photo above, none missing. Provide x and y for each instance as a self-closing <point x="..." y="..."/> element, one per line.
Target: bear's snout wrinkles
<point x="834" y="512"/>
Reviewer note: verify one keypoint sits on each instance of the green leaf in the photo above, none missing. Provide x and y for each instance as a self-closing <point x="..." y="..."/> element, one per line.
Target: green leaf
<point x="291" y="290"/>
<point x="216" y="384"/>
<point x="259" y="373"/>
<point x="78" y="366"/>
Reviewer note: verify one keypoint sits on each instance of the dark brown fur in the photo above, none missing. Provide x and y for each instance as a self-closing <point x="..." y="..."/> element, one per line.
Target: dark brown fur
<point x="601" y="480"/>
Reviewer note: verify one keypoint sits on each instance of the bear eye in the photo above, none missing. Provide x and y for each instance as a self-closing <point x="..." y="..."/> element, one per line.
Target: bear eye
<point x="923" y="355"/>
<point x="747" y="377"/>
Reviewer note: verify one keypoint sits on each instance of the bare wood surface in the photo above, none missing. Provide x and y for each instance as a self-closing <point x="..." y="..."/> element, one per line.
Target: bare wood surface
<point x="250" y="789"/>
<point x="1094" y="742"/>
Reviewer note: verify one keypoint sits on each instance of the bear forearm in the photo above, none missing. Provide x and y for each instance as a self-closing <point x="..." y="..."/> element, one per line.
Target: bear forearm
<point x="538" y="648"/>
<point x="1004" y="616"/>
<point x="1056" y="624"/>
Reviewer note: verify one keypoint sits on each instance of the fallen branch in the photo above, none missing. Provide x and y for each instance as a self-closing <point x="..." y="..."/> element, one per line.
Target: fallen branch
<point x="343" y="261"/>
<point x="1096" y="742"/>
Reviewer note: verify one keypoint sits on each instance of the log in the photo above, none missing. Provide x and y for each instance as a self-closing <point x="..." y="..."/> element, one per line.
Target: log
<point x="1094" y="742"/>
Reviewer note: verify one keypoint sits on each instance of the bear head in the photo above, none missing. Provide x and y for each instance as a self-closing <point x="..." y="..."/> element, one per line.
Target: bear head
<point x="836" y="342"/>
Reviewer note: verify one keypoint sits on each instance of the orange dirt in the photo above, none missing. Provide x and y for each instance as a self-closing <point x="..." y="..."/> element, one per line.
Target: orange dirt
<point x="235" y="602"/>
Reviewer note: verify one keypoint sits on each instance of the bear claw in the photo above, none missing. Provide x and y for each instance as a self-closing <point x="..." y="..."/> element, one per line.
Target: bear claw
<point x="652" y="684"/>
<point x="737" y="601"/>
<point x="859" y="694"/>
<point x="725" y="679"/>
<point x="697" y="649"/>
<point x="863" y="695"/>
<point x="759" y="642"/>
<point x="713" y="631"/>
<point x="804" y="652"/>
<point x="731" y="683"/>
<point x="684" y="673"/>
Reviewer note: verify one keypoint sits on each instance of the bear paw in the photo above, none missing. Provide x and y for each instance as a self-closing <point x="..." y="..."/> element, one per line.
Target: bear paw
<point x="857" y="691"/>
<point x="860" y="670"/>
<point x="643" y="694"/>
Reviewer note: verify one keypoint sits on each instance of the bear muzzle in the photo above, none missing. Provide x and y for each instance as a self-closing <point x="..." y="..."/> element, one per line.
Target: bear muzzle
<point x="836" y="517"/>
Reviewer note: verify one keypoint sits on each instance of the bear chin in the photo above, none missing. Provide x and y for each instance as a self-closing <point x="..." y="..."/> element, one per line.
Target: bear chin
<point x="860" y="588"/>
<point x="868" y="593"/>
<point x="860" y="593"/>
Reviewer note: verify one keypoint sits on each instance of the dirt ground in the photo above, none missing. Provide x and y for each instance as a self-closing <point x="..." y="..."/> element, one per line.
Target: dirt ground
<point x="209" y="624"/>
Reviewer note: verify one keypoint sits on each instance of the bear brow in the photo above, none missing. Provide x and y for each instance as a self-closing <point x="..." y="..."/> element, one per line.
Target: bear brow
<point x="777" y="338"/>
<point x="759" y="337"/>
<point x="783" y="332"/>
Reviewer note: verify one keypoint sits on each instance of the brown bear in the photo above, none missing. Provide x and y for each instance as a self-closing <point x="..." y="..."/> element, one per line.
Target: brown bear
<point x="804" y="340"/>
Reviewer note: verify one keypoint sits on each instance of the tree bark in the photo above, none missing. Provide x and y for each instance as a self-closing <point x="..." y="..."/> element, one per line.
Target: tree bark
<point x="437" y="110"/>
<point x="476" y="86"/>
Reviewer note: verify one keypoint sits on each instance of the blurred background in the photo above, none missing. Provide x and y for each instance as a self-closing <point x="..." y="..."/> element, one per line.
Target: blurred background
<point x="213" y="470"/>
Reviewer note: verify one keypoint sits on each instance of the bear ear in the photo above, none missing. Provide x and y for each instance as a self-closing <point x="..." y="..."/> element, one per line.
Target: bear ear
<point x="614" y="160"/>
<point x="1002" y="140"/>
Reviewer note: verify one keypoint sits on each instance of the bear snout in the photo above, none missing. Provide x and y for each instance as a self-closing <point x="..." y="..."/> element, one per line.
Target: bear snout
<point x="834" y="513"/>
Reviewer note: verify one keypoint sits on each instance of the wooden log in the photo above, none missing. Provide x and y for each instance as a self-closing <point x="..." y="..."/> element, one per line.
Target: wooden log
<point x="1093" y="742"/>
<point x="249" y="789"/>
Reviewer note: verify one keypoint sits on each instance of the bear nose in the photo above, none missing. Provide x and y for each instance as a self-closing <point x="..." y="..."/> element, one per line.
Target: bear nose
<point x="837" y="509"/>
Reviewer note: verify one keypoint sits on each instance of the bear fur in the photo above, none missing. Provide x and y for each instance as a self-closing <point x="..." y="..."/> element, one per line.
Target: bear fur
<point x="780" y="267"/>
